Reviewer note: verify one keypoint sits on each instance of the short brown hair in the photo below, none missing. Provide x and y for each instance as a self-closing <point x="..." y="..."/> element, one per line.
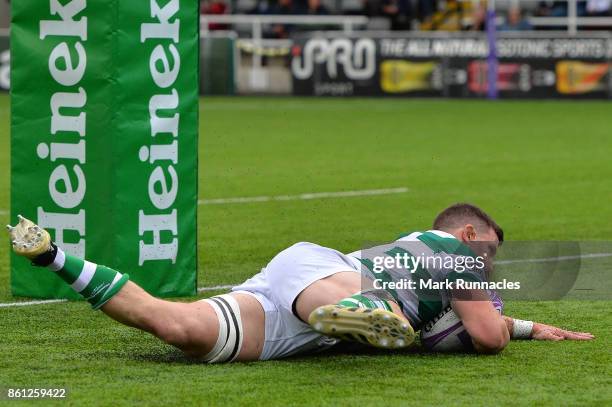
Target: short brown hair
<point x="459" y="214"/>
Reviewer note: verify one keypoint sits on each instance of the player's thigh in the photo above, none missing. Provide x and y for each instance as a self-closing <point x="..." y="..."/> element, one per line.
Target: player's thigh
<point x="253" y="326"/>
<point x="202" y="324"/>
<point x="328" y="290"/>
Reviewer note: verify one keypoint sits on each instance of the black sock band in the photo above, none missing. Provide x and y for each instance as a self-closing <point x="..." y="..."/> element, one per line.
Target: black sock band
<point x="46" y="258"/>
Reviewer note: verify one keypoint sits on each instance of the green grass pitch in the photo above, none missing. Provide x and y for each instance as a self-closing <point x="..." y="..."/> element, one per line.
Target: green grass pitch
<point x="543" y="170"/>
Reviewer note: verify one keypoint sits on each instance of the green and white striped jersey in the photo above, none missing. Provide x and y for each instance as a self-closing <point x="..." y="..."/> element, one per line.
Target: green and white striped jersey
<point x="425" y="262"/>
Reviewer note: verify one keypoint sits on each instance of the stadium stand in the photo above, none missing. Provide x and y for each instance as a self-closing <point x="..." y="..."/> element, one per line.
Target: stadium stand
<point x="426" y="15"/>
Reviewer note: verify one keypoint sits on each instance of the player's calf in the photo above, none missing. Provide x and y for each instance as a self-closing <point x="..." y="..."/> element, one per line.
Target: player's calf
<point x="212" y="329"/>
<point x="223" y="328"/>
<point x="97" y="284"/>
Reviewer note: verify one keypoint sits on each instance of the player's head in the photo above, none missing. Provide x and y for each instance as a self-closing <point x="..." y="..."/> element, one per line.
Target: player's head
<point x="469" y="223"/>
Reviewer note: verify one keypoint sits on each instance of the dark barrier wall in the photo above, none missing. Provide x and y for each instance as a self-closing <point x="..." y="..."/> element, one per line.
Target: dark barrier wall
<point x="217" y="66"/>
<point x="451" y="66"/>
<point x="428" y="65"/>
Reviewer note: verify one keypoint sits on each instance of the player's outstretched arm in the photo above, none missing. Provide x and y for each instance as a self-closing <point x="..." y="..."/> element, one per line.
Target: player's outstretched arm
<point x="519" y="329"/>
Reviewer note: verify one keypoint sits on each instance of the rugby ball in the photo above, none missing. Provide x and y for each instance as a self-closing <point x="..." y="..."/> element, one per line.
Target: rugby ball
<point x="445" y="333"/>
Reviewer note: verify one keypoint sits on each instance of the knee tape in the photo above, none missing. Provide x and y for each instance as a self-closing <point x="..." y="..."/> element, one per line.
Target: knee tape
<point x="229" y="341"/>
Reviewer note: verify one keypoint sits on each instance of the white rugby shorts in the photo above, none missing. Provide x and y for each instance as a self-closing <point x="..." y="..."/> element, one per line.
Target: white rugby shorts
<point x="277" y="286"/>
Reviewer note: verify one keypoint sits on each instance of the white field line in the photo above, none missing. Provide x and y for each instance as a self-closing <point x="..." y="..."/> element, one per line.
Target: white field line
<point x="554" y="259"/>
<point x="215" y="288"/>
<point x="227" y="287"/>
<point x="304" y="197"/>
<point x="27" y="303"/>
<point x="300" y="197"/>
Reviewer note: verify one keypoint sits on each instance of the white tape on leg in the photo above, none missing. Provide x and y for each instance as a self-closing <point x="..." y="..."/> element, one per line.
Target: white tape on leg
<point x="222" y="338"/>
<point x="229" y="341"/>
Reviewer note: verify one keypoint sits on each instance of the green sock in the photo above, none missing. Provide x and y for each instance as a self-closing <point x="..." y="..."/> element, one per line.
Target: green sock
<point x="365" y="300"/>
<point x="98" y="284"/>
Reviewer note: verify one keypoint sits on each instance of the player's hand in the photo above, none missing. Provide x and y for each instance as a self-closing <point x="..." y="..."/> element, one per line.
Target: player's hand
<point x="545" y="332"/>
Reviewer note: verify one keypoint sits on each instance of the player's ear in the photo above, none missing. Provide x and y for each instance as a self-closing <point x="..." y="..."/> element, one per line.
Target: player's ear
<point x="468" y="233"/>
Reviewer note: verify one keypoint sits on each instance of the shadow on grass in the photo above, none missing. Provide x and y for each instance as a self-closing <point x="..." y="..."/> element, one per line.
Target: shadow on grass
<point x="343" y="350"/>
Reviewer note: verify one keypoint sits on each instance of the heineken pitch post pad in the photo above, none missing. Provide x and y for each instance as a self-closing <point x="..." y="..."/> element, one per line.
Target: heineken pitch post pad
<point x="104" y="131"/>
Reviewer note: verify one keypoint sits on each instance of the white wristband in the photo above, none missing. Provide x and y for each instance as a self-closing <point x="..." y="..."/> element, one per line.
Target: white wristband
<point x="521" y="329"/>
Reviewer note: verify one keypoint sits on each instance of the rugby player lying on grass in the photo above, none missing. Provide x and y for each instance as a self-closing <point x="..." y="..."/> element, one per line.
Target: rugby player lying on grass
<point x="307" y="299"/>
